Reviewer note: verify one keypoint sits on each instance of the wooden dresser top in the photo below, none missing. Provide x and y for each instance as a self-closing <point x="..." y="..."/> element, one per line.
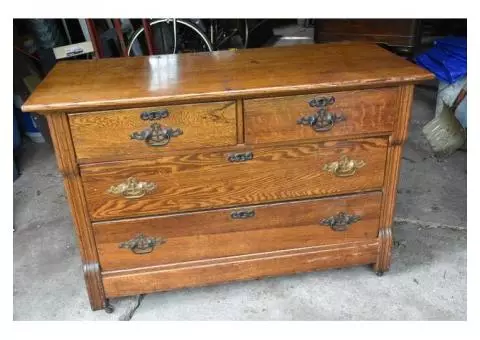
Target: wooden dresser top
<point x="83" y="85"/>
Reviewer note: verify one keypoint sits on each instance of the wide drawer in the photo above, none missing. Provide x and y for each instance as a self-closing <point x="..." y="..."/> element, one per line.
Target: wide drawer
<point x="242" y="267"/>
<point x="190" y="182"/>
<point x="320" y="116"/>
<point x="127" y="134"/>
<point x="229" y="232"/>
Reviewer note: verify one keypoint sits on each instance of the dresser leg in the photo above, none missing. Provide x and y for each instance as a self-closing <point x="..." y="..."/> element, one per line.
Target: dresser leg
<point x="108" y="307"/>
<point x="384" y="252"/>
<point x="392" y="168"/>
<point x="94" y="285"/>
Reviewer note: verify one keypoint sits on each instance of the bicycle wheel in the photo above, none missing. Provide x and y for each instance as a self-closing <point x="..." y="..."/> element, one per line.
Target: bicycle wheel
<point x="188" y="38"/>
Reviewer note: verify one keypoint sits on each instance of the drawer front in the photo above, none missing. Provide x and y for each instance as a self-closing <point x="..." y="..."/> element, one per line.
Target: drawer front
<point x="127" y="134"/>
<point x="230" y="232"/>
<point x="220" y="179"/>
<point x="234" y="268"/>
<point x="339" y="114"/>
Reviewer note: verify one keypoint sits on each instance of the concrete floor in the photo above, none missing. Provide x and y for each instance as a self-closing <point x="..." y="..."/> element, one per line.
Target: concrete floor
<point x="427" y="280"/>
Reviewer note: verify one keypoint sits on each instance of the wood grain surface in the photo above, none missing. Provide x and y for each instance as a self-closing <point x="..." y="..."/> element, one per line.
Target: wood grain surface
<point x="215" y="234"/>
<point x="208" y="180"/>
<point x="237" y="268"/>
<point x="149" y="81"/>
<point x="228" y="102"/>
<point x="392" y="167"/>
<point x="106" y="134"/>
<point x="267" y="216"/>
<point x="275" y="119"/>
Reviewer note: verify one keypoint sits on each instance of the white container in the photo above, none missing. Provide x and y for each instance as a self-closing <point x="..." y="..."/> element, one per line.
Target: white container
<point x="446" y="95"/>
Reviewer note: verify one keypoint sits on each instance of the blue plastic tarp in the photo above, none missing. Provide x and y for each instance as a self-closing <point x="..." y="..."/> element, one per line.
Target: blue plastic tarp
<point x="447" y="59"/>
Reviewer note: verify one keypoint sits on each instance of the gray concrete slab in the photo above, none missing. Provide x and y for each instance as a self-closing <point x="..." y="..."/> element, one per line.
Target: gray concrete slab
<point x="429" y="190"/>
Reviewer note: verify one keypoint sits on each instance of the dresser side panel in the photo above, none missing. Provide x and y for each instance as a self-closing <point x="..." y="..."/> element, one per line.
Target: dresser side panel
<point x="64" y="151"/>
<point x="392" y="172"/>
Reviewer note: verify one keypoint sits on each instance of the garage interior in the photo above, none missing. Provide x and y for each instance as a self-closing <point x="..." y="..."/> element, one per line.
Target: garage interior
<point x="428" y="276"/>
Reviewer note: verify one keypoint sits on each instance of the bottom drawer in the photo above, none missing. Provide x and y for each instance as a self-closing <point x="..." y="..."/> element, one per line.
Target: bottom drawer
<point x="145" y="242"/>
<point x="235" y="268"/>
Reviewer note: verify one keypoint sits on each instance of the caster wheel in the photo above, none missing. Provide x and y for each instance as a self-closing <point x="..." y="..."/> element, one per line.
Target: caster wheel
<point x="109" y="309"/>
<point x="379" y="273"/>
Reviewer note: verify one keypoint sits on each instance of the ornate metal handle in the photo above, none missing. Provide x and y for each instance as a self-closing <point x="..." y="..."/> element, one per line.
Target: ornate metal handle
<point x="132" y="188"/>
<point x="156" y="134"/>
<point x="341" y="221"/>
<point x="142" y="244"/>
<point x="321" y="120"/>
<point x="154" y="115"/>
<point x="345" y="167"/>
<point x="241" y="215"/>
<point x="240" y="157"/>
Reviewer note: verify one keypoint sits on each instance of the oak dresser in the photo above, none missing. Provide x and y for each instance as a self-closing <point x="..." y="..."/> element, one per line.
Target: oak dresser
<point x="195" y="169"/>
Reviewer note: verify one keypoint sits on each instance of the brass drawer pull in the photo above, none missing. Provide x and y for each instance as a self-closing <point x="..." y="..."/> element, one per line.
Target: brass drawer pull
<point x="154" y="115"/>
<point x="345" y="167"/>
<point x="132" y="188"/>
<point x="142" y="244"/>
<point x="240" y="157"/>
<point x="322" y="120"/>
<point x="241" y="215"/>
<point x="156" y="134"/>
<point x="341" y="221"/>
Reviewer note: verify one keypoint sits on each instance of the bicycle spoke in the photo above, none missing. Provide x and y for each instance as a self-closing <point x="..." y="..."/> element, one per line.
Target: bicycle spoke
<point x="189" y="37"/>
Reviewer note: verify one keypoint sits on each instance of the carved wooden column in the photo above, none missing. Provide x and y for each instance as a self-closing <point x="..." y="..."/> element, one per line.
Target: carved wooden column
<point x="64" y="151"/>
<point x="392" y="170"/>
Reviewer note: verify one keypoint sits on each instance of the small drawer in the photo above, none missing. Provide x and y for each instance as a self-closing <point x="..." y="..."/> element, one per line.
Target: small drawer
<point x="228" y="232"/>
<point x="180" y="183"/>
<point x="135" y="133"/>
<point x="320" y="116"/>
